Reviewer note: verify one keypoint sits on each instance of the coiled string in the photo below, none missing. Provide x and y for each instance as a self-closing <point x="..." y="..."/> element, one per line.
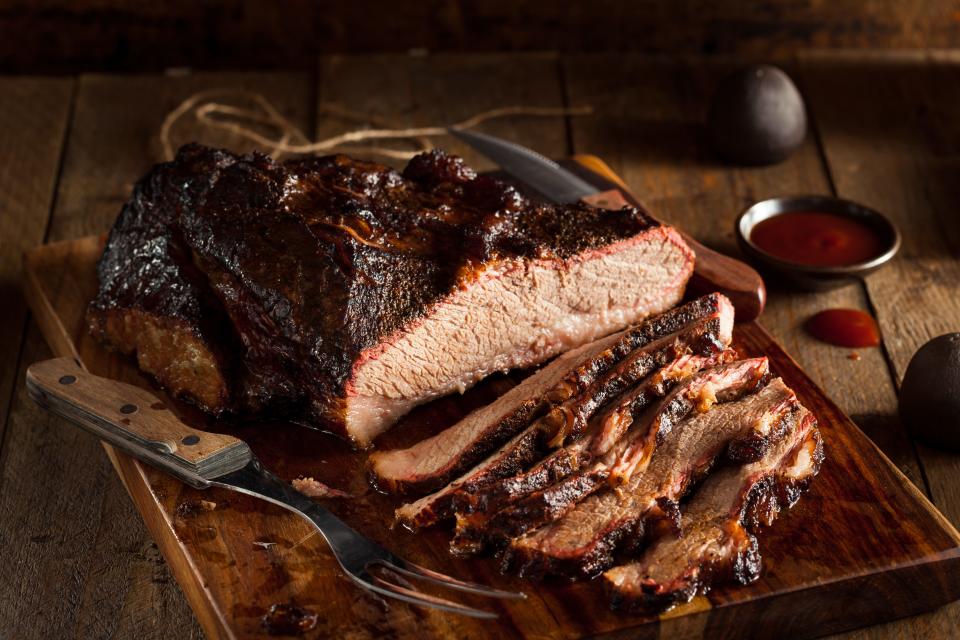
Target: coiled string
<point x="217" y="109"/>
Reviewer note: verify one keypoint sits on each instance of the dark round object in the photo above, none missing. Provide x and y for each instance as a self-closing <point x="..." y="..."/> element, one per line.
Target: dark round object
<point x="757" y="116"/>
<point x="930" y="393"/>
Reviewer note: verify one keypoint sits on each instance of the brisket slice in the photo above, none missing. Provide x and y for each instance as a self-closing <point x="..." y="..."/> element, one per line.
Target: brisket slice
<point x="528" y="446"/>
<point x="433" y="462"/>
<point x="566" y="460"/>
<point x="725" y="383"/>
<point x="583" y="541"/>
<point x="617" y="416"/>
<point x="718" y="526"/>
<point x="514" y="456"/>
<point x="602" y="367"/>
<point x="343" y="293"/>
<point x="707" y="337"/>
<point x="698" y="394"/>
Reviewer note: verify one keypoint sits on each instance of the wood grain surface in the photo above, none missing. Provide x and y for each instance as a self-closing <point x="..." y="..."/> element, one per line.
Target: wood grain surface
<point x="118" y="35"/>
<point x="29" y="164"/>
<point x="889" y="131"/>
<point x="96" y="550"/>
<point x="895" y="113"/>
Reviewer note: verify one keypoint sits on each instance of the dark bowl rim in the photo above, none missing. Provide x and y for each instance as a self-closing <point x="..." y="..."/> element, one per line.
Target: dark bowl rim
<point x="844" y="270"/>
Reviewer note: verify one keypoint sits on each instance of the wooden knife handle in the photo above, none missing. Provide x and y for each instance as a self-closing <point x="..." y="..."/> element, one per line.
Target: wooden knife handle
<point x="135" y="421"/>
<point x="733" y="278"/>
<point x="713" y="271"/>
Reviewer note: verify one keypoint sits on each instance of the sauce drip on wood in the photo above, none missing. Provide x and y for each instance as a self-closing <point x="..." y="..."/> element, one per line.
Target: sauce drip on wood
<point x="817" y="239"/>
<point x="287" y="619"/>
<point x="845" y="328"/>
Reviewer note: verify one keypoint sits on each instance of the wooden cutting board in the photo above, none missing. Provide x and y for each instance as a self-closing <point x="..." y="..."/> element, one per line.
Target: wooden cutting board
<point x="862" y="546"/>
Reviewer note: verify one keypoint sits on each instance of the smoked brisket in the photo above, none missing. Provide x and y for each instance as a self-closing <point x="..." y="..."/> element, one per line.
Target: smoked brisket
<point x="343" y="293"/>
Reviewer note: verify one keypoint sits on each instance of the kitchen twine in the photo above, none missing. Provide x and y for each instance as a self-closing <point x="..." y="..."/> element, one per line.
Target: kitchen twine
<point x="213" y="109"/>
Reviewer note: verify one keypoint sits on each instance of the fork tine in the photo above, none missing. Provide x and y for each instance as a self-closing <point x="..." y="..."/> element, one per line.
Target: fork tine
<point x="416" y="571"/>
<point x="385" y="588"/>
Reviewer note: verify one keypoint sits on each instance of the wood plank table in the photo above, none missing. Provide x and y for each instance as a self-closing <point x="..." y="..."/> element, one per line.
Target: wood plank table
<point x="76" y="560"/>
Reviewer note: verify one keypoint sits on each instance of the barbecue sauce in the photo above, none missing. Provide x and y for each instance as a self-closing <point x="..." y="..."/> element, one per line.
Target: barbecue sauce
<point x="817" y="239"/>
<point x="845" y="328"/>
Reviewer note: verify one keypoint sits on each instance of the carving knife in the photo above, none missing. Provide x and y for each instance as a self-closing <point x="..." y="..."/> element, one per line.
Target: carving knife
<point x="713" y="271"/>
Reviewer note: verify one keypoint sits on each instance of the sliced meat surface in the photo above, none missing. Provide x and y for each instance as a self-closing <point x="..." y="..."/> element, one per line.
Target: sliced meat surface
<point x="528" y="445"/>
<point x="611" y="425"/>
<point x="566" y="460"/>
<point x="718" y="526"/>
<point x="600" y="368"/>
<point x="432" y="462"/>
<point x="521" y="451"/>
<point x="703" y="338"/>
<point x="725" y="383"/>
<point x="697" y="394"/>
<point x="582" y="542"/>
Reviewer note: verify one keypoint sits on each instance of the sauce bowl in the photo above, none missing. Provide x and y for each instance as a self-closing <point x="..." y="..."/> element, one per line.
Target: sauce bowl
<point x="817" y="278"/>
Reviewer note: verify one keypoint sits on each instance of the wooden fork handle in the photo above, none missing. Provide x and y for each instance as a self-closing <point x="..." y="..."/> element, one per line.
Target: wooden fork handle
<point x="135" y="421"/>
<point x="713" y="271"/>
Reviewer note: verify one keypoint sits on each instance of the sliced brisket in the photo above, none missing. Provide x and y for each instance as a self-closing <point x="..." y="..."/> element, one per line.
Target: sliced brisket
<point x="704" y="338"/>
<point x="705" y="335"/>
<point x="572" y="457"/>
<point x="718" y="525"/>
<point x="703" y="325"/>
<point x="344" y="293"/>
<point x="514" y="456"/>
<point x="698" y="394"/>
<point x="433" y="462"/>
<point x="582" y="542"/>
<point x="724" y="383"/>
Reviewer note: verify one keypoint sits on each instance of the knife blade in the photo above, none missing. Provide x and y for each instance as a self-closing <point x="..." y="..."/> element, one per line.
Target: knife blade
<point x="543" y="174"/>
<point x="713" y="271"/>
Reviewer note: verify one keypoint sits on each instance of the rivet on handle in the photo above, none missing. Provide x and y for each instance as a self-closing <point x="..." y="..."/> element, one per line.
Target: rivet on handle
<point x="128" y="409"/>
<point x="191" y="440"/>
<point x="67" y="379"/>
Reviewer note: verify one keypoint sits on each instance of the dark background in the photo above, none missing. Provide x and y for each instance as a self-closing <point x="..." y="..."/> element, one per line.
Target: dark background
<point x="60" y="36"/>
